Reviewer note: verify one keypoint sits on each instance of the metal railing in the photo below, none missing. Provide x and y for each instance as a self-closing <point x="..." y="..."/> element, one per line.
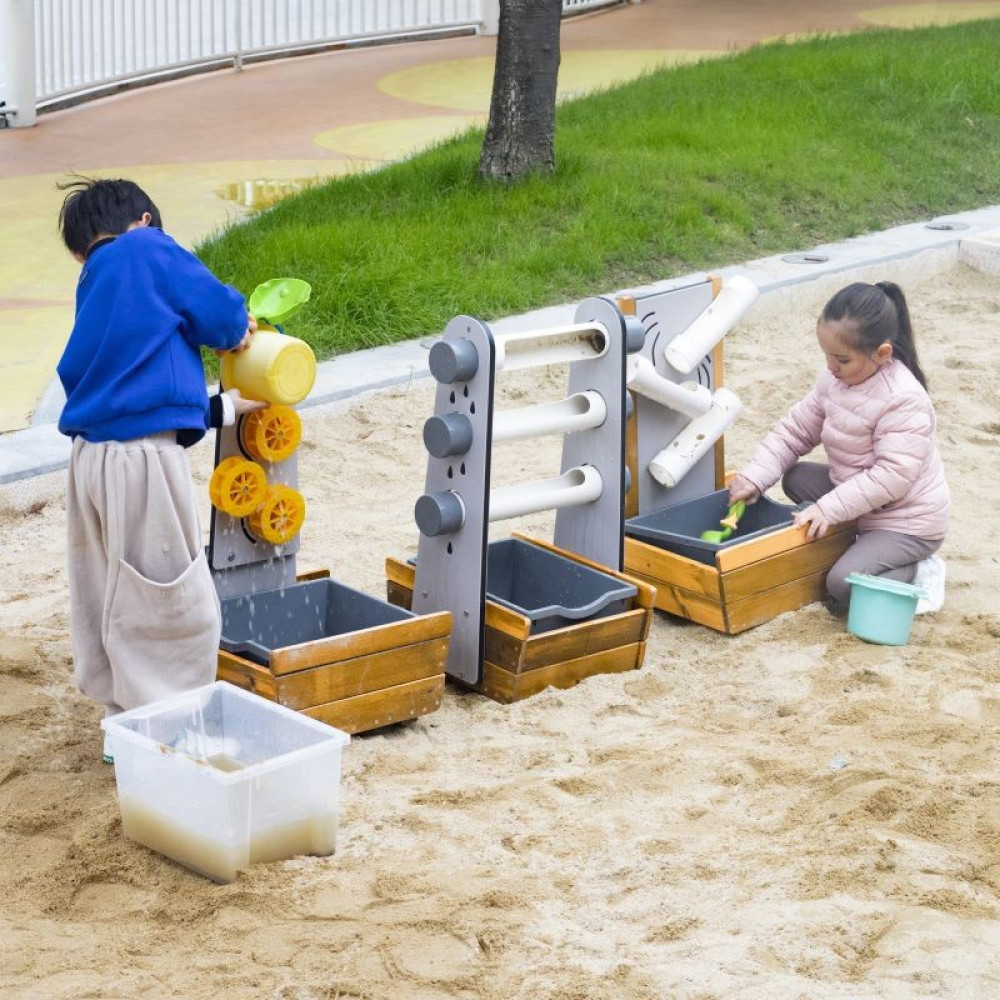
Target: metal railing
<point x="86" y="48"/>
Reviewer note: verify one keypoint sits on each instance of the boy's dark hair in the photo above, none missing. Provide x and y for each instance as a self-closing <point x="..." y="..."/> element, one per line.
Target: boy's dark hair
<point x="879" y="315"/>
<point x="93" y="207"/>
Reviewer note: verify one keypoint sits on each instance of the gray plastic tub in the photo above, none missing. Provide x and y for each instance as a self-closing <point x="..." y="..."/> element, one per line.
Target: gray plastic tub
<point x="255" y="625"/>
<point x="678" y="528"/>
<point x="550" y="589"/>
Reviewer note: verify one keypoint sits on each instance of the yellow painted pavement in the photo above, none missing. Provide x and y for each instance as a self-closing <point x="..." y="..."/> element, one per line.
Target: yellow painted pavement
<point x="396" y="137"/>
<point x="466" y="84"/>
<point x="38" y="276"/>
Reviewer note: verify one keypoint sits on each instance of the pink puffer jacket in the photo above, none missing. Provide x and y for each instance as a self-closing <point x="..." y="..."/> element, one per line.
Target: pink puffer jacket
<point x="879" y="441"/>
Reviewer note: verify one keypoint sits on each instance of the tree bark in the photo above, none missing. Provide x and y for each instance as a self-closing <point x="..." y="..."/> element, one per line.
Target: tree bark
<point x="520" y="136"/>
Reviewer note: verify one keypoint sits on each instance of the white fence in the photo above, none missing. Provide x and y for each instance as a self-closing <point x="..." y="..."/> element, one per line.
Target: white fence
<point x="85" y="48"/>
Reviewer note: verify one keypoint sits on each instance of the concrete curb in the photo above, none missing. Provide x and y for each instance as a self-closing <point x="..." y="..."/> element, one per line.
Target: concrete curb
<point x="915" y="249"/>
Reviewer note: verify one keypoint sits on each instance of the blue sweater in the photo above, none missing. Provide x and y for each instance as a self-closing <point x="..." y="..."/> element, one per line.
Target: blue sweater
<point x="132" y="366"/>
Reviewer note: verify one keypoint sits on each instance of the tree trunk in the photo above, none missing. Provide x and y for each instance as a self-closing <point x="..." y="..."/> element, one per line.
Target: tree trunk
<point x="520" y="136"/>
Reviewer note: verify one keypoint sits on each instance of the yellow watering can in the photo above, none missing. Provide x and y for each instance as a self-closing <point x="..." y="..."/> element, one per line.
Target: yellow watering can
<point x="275" y="368"/>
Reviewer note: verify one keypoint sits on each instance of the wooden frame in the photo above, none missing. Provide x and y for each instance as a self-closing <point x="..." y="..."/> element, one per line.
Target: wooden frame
<point x="749" y="583"/>
<point x="355" y="681"/>
<point x="518" y="664"/>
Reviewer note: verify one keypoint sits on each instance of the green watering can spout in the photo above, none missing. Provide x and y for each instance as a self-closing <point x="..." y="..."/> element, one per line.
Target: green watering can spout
<point x="279" y="299"/>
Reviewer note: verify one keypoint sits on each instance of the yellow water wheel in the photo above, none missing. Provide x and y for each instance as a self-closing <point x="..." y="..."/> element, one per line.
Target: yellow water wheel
<point x="237" y="486"/>
<point x="279" y="518"/>
<point x="272" y="434"/>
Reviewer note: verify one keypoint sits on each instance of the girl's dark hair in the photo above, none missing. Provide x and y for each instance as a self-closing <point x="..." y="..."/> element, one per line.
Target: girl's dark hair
<point x="879" y="315"/>
<point x="93" y="207"/>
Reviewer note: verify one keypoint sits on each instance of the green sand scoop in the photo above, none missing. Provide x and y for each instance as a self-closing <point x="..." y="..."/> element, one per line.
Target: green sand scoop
<point x="279" y="299"/>
<point x="729" y="522"/>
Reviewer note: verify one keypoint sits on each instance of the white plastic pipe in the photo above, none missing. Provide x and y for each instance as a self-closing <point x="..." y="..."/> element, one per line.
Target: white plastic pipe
<point x="17" y="35"/>
<point x="580" y="412"/>
<point x="687" y="349"/>
<point x="688" y="398"/>
<point x="579" y="485"/>
<point x="558" y="345"/>
<point x="671" y="465"/>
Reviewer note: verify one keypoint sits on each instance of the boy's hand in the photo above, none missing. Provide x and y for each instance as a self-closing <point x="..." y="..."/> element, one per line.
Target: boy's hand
<point x="814" y="517"/>
<point x="242" y="405"/>
<point x="740" y="488"/>
<point x="245" y="342"/>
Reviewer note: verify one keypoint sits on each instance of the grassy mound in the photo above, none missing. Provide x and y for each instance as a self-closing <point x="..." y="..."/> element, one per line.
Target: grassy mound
<point x="773" y="149"/>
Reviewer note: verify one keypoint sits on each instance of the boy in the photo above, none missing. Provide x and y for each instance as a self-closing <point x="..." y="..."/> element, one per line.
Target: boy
<point x="144" y="612"/>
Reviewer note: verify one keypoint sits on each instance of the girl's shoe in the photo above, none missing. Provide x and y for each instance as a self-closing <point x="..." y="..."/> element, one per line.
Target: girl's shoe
<point x="930" y="578"/>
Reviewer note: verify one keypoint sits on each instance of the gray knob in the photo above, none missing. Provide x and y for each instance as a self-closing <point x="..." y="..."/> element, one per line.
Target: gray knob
<point x="635" y="334"/>
<point x="453" y="360"/>
<point x="450" y="434"/>
<point x="629" y="405"/>
<point x="439" y="513"/>
<point x="628" y="479"/>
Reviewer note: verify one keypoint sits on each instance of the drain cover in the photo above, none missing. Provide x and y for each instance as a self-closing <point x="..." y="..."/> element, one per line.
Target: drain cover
<point x="806" y="258"/>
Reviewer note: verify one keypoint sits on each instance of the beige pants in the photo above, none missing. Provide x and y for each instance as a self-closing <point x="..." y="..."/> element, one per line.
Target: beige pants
<point x="144" y="611"/>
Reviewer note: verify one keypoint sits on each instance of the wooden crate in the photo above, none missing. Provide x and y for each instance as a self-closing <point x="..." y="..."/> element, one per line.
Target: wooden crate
<point x="518" y="665"/>
<point x="355" y="681"/>
<point x="749" y="584"/>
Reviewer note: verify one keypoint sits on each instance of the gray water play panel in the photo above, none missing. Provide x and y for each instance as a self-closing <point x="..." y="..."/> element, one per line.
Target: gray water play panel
<point x="678" y="528"/>
<point x="255" y="625"/>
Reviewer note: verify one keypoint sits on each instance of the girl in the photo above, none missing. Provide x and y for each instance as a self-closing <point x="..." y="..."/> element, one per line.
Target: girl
<point x="871" y="412"/>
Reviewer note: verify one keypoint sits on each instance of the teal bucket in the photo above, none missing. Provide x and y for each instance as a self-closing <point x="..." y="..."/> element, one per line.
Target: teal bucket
<point x="881" y="610"/>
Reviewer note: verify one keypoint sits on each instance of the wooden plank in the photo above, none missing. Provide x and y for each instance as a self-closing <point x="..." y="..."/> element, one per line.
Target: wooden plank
<point x="381" y="708"/>
<point x="245" y="674"/>
<point x="734" y="556"/>
<point x="694" y="607"/>
<point x="363" y="675"/>
<point x="764" y="606"/>
<point x="506" y="687"/>
<point x="575" y="641"/>
<point x="402" y="597"/>
<point x="626" y="304"/>
<point x="803" y="560"/>
<point x="504" y="650"/>
<point x="312" y="574"/>
<point x="504" y="620"/>
<point x="400" y="572"/>
<point x="668" y="568"/>
<point x="360" y="643"/>
<point x="646" y="592"/>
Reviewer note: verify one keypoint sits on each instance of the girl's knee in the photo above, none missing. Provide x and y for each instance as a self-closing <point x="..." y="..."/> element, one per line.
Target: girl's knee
<point x="838" y="587"/>
<point x="790" y="485"/>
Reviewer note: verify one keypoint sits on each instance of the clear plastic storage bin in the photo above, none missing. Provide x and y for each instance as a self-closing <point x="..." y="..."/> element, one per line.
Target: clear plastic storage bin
<point x="218" y="778"/>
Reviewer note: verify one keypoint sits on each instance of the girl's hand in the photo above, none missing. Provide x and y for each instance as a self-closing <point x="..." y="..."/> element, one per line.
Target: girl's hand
<point x="241" y="405"/>
<point x="740" y="488"/>
<point x="814" y="517"/>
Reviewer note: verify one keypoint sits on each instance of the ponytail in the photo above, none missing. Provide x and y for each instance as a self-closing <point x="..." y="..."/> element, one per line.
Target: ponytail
<point x="879" y="315"/>
<point x="903" y="345"/>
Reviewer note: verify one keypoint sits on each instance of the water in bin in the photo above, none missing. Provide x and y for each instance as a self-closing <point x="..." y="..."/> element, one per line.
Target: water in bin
<point x="218" y="779"/>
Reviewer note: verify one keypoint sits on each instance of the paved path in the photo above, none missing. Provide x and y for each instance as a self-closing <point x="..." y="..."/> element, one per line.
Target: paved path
<point x="210" y="146"/>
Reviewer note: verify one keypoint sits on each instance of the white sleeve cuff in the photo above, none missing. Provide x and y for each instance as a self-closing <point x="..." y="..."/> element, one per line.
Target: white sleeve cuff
<point x="228" y="410"/>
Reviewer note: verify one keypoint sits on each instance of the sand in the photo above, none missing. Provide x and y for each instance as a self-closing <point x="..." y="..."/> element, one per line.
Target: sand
<point x="789" y="813"/>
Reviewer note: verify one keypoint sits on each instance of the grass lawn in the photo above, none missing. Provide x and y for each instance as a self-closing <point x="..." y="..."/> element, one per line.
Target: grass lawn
<point x="773" y="149"/>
